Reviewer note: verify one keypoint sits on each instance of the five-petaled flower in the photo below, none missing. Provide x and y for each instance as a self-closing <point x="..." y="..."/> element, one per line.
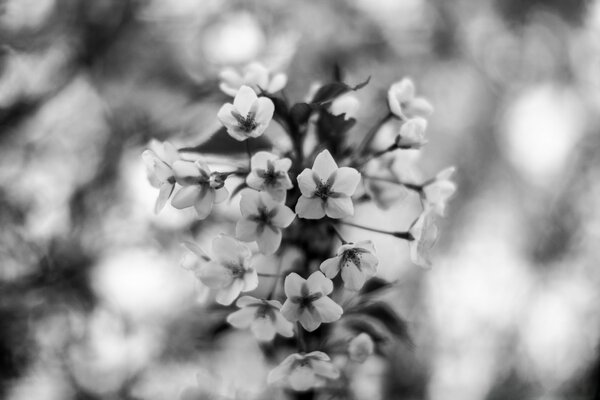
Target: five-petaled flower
<point x="412" y="134"/>
<point x="304" y="371"/>
<point x="262" y="220"/>
<point x="263" y="317"/>
<point x="201" y="188"/>
<point x="326" y="189"/>
<point x="404" y="104"/>
<point x="437" y="192"/>
<point x="307" y="300"/>
<point x="356" y="261"/>
<point x="254" y="75"/>
<point x="424" y="234"/>
<point x="248" y="116"/>
<point x="230" y="272"/>
<point x="268" y="172"/>
<point x="361" y="347"/>
<point x="159" y="159"/>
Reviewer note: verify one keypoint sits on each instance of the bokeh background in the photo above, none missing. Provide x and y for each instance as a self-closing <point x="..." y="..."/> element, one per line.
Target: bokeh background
<point x="93" y="303"/>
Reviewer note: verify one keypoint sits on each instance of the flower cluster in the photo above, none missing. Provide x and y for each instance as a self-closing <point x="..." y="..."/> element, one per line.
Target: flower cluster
<point x="299" y="198"/>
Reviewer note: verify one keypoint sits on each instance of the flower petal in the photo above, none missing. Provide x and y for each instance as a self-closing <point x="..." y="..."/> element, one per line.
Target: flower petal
<point x="250" y="280"/>
<point x="324" y="165"/>
<point x="163" y="195"/>
<point x="277" y="83"/>
<point x="284" y="327"/>
<point x="340" y="207"/>
<point x="302" y="378"/>
<point x="310" y="208"/>
<point x="283" y="217"/>
<point x="185" y="172"/>
<point x="290" y="311"/>
<point x="246" y="230"/>
<point x="317" y="282"/>
<point x="225" y="116"/>
<point x="310" y="319"/>
<point x="227" y="250"/>
<point x="283" y="370"/>
<point x="214" y="275"/>
<point x="346" y="181"/>
<point x="419" y="107"/>
<point x="269" y="240"/>
<point x="329" y="310"/>
<point x="307" y="183"/>
<point x="204" y="204"/>
<point x="228" y="294"/>
<point x="261" y="158"/>
<point x="293" y="285"/>
<point x="246" y="301"/>
<point x="331" y="267"/>
<point x="244" y="99"/>
<point x="265" y="110"/>
<point x="263" y="329"/>
<point x="324" y="369"/>
<point x="353" y="278"/>
<point x="242" y="318"/>
<point x="186" y="196"/>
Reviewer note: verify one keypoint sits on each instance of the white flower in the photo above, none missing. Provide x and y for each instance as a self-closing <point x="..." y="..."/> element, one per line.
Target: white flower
<point x="262" y="317"/>
<point x="230" y="272"/>
<point x="304" y="371"/>
<point x="412" y="134"/>
<point x="438" y="191"/>
<point x="356" y="261"/>
<point x="361" y="347"/>
<point x="307" y="300"/>
<point x="424" y="234"/>
<point x="254" y="75"/>
<point x="201" y="188"/>
<point x="159" y="161"/>
<point x="262" y="220"/>
<point x="404" y="104"/>
<point x="268" y="172"/>
<point x="248" y="116"/>
<point x="326" y="189"/>
<point x="193" y="260"/>
<point x="347" y="104"/>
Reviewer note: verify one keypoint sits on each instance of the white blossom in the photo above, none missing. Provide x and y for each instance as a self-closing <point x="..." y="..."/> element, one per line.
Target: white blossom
<point x="193" y="260"/>
<point x="268" y="172"/>
<point x="439" y="190"/>
<point x="346" y="104"/>
<point x="361" y="347"/>
<point x="263" y="317"/>
<point x="159" y="159"/>
<point x="307" y="300"/>
<point x="404" y="104"/>
<point x="424" y="236"/>
<point x="302" y="371"/>
<point x="248" y="116"/>
<point x="356" y="261"/>
<point x="412" y="134"/>
<point x="254" y="75"/>
<point x="201" y="188"/>
<point x="326" y="189"/>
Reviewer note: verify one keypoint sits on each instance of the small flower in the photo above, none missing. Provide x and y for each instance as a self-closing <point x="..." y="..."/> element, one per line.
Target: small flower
<point x="356" y="261"/>
<point x="263" y="317"/>
<point x="404" y="104"/>
<point x="438" y="191"/>
<point x="159" y="161"/>
<point x="361" y="347"/>
<point x="201" y="188"/>
<point x="193" y="260"/>
<point x="424" y="234"/>
<point x="326" y="189"/>
<point x="230" y="272"/>
<point x="412" y="134"/>
<point x="254" y="75"/>
<point x="304" y="371"/>
<point x="248" y="116"/>
<point x="262" y="220"/>
<point x="346" y="104"/>
<point x="270" y="173"/>
<point x="307" y="300"/>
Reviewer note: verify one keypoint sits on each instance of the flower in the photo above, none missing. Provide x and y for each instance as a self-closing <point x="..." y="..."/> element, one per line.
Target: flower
<point x="270" y="173"/>
<point x="262" y="220"/>
<point x="404" y="104"/>
<point x="193" y="260"/>
<point x="412" y="134"/>
<point x="304" y="371"/>
<point x="201" y="188"/>
<point x="248" y="116"/>
<point x="254" y="75"/>
<point x="262" y="317"/>
<point x="230" y="272"/>
<point x="346" y="104"/>
<point x="356" y="261"/>
<point x="361" y="347"/>
<point x="424" y="234"/>
<point x="159" y="161"/>
<point x="307" y="300"/>
<point x="437" y="192"/>
<point x="326" y="189"/>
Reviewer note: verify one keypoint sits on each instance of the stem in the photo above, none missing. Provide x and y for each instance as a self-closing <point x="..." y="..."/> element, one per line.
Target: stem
<point x="337" y="233"/>
<point x="377" y="154"/>
<point x="412" y="186"/>
<point x="266" y="275"/>
<point x="371" y="133"/>
<point x="300" y="336"/>
<point x="398" y="234"/>
<point x="249" y="152"/>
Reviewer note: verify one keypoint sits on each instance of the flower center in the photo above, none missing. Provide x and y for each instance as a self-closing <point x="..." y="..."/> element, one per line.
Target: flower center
<point x="237" y="271"/>
<point x="353" y="256"/>
<point x="306" y="299"/>
<point x="323" y="191"/>
<point x="247" y="124"/>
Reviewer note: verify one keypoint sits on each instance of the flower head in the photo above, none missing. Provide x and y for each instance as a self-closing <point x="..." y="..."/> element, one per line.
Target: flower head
<point x="438" y="191"/>
<point x="304" y="371"/>
<point x="201" y="188"/>
<point x="307" y="300"/>
<point x="159" y="161"/>
<point x="404" y="104"/>
<point x="230" y="272"/>
<point x="262" y="220"/>
<point x="263" y="317"/>
<point x="356" y="261"/>
<point x="248" y="116"/>
<point x="268" y="172"/>
<point x="346" y="104"/>
<point x="424" y="234"/>
<point x="254" y="75"/>
<point x="326" y="189"/>
<point x="361" y="347"/>
<point x="412" y="134"/>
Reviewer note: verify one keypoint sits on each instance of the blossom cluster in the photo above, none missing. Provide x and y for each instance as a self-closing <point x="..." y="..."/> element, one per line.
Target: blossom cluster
<point x="283" y="194"/>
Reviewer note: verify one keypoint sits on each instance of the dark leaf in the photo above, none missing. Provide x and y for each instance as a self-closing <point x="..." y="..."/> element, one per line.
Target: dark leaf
<point x="300" y="113"/>
<point x="330" y="91"/>
<point x="331" y="130"/>
<point x="221" y="143"/>
<point x="383" y="313"/>
<point x="371" y="326"/>
<point x="375" y="284"/>
<point x="281" y="108"/>
<point x="238" y="189"/>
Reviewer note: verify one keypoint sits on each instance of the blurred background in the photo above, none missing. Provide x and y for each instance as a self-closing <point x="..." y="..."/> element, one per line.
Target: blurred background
<point x="93" y="303"/>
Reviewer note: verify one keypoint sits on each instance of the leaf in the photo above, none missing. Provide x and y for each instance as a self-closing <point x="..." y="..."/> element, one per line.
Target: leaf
<point x="221" y="143"/>
<point x="281" y="108"/>
<point x="383" y="313"/>
<point x="300" y="112"/>
<point x="238" y="189"/>
<point x="331" y="130"/>
<point x="375" y="284"/>
<point x="330" y="91"/>
<point x="368" y="325"/>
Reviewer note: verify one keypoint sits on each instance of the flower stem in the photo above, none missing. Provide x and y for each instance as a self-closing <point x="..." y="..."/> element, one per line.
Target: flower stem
<point x="249" y="152"/>
<point x="266" y="275"/>
<point x="337" y="233"/>
<point x="411" y="186"/>
<point x="399" y="234"/>
<point x="377" y="154"/>
<point x="300" y="338"/>
<point x="372" y="132"/>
